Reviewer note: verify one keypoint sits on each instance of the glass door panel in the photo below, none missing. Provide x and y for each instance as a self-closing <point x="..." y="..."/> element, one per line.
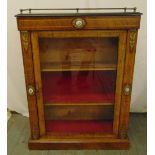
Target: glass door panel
<point x="69" y="54"/>
<point x="78" y="83"/>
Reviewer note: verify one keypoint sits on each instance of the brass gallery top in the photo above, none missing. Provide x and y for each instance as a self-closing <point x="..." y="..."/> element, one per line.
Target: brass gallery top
<point x="79" y="11"/>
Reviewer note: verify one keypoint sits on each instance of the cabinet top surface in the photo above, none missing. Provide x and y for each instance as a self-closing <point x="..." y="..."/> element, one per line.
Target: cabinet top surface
<point x="78" y="12"/>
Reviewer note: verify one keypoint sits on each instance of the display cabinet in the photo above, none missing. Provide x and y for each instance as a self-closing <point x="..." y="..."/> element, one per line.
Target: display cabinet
<point x="78" y="72"/>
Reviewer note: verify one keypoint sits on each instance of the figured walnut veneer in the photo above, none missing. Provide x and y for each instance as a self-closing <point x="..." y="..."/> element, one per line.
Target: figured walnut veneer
<point x="94" y="114"/>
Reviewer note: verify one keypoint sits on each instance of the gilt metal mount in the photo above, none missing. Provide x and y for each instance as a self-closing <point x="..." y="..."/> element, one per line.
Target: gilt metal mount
<point x="24" y="37"/>
<point x="132" y="39"/>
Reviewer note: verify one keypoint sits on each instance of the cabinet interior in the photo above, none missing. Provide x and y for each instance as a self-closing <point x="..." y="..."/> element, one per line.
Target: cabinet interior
<point x="78" y="84"/>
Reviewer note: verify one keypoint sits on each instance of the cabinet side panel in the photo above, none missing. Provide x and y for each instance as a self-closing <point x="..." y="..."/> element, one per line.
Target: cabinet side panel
<point x="127" y="82"/>
<point x="29" y="79"/>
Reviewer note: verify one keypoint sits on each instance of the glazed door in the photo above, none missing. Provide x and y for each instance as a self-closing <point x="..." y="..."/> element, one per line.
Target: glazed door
<point x="78" y="77"/>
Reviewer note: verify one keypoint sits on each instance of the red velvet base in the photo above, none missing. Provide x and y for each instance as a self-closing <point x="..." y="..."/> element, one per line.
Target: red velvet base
<point x="82" y="86"/>
<point x="79" y="126"/>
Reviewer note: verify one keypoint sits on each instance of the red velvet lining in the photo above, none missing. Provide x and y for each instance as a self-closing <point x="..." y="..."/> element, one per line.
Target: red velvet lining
<point x="79" y="126"/>
<point x="82" y="86"/>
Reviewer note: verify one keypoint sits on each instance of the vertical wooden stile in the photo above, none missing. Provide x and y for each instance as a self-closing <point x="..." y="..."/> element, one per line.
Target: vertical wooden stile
<point x="37" y="72"/>
<point x="30" y="81"/>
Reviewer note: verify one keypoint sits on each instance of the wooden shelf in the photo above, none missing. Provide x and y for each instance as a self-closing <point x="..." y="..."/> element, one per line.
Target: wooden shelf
<point x="49" y="67"/>
<point x="79" y="111"/>
<point x="79" y="104"/>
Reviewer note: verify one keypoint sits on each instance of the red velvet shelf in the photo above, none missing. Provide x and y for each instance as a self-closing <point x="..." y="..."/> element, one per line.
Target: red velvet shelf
<point x="79" y="86"/>
<point x="78" y="126"/>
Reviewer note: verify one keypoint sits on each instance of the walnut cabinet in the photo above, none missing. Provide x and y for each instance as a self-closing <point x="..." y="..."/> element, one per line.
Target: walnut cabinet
<point x="78" y="74"/>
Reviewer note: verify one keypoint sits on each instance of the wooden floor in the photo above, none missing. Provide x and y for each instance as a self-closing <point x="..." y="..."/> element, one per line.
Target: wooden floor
<point x="18" y="135"/>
